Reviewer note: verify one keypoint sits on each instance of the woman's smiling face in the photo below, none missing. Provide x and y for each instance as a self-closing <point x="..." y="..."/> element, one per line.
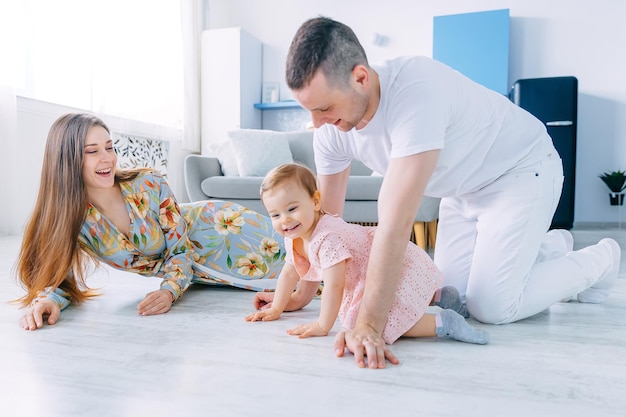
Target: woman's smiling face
<point x="99" y="160"/>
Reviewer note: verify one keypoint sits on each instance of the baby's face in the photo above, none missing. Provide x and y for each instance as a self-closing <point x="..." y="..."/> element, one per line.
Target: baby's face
<point x="293" y="211"/>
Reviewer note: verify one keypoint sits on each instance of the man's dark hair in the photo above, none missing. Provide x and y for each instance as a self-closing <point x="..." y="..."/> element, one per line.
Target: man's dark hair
<point x="327" y="44"/>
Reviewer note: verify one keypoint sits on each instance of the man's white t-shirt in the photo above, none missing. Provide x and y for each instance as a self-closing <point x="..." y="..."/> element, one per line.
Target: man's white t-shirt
<point x="426" y="105"/>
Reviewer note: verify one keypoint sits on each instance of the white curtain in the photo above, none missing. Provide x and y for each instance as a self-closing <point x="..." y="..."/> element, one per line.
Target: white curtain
<point x="8" y="168"/>
<point x="193" y="15"/>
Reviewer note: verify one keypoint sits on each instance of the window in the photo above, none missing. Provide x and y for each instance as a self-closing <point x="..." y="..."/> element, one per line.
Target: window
<point x="117" y="57"/>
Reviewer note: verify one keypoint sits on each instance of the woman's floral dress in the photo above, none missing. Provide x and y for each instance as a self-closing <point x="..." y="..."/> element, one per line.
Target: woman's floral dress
<point x="212" y="242"/>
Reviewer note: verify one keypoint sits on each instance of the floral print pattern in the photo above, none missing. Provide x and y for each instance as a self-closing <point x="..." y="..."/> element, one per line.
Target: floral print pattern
<point x="208" y="242"/>
<point x="228" y="221"/>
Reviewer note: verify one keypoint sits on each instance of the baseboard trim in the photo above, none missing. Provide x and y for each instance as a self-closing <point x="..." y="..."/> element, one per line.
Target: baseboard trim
<point x="599" y="225"/>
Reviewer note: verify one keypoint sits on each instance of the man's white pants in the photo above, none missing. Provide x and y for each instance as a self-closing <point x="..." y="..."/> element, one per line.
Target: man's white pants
<point x="490" y="245"/>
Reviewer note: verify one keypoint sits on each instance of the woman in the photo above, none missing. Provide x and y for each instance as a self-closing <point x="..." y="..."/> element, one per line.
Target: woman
<point x="89" y="210"/>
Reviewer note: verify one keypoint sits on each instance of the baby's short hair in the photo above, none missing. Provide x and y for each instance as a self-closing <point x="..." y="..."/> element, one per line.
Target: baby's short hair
<point x="294" y="171"/>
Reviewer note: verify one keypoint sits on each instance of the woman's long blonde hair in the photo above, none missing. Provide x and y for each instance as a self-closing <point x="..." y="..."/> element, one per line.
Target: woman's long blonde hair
<point x="50" y="255"/>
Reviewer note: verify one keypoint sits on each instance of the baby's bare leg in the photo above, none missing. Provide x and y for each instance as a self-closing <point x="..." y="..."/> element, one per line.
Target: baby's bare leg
<point x="448" y="324"/>
<point x="425" y="327"/>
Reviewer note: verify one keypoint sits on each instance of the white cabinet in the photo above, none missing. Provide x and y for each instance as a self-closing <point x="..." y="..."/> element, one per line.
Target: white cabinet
<point x="231" y="66"/>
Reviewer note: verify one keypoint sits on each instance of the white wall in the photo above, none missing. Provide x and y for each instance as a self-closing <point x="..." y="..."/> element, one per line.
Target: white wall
<point x="8" y="167"/>
<point x="25" y="157"/>
<point x="548" y="38"/>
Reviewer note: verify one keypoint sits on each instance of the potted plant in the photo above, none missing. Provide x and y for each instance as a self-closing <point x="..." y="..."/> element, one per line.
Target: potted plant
<point x="616" y="181"/>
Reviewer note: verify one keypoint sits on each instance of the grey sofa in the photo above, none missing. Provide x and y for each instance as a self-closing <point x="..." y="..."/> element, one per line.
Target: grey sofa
<point x="204" y="180"/>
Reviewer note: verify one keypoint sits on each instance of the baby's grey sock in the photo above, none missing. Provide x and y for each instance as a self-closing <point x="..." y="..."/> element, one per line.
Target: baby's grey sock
<point x="448" y="298"/>
<point x="452" y="325"/>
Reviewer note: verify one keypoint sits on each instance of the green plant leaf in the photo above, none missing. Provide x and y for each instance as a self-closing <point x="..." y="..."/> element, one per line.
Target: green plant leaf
<point x="615" y="180"/>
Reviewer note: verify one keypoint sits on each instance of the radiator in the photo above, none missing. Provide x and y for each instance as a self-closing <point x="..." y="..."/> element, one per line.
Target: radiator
<point x="374" y="224"/>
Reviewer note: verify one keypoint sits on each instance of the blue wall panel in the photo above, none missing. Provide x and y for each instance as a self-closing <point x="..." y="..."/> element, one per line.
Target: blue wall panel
<point x="475" y="44"/>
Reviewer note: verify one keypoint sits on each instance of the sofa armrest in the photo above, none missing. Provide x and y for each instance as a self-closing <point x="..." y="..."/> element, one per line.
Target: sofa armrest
<point x="197" y="169"/>
<point x="429" y="209"/>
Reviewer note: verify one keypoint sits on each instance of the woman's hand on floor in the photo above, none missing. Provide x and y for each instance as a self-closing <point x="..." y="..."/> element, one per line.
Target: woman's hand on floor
<point x="156" y="302"/>
<point x="35" y="315"/>
<point x="263" y="300"/>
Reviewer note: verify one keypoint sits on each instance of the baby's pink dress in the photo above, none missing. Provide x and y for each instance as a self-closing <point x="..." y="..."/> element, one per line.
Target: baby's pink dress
<point x="334" y="240"/>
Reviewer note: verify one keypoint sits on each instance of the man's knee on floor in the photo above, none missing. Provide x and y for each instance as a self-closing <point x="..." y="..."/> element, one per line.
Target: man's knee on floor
<point x="491" y="309"/>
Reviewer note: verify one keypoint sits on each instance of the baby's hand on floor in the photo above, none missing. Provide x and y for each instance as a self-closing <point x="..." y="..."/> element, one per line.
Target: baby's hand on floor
<point x="308" y="330"/>
<point x="264" y="315"/>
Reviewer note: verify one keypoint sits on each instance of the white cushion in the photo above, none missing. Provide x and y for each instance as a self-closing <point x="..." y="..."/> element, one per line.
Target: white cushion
<point x="223" y="151"/>
<point x="258" y="151"/>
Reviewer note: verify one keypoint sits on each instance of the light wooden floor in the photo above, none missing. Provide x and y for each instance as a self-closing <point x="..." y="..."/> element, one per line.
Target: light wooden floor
<point x="203" y="359"/>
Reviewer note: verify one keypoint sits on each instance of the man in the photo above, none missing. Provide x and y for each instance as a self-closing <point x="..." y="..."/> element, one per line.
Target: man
<point x="432" y="131"/>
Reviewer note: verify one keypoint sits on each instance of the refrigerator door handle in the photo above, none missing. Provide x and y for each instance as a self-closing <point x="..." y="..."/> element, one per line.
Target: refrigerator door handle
<point x="560" y="123"/>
